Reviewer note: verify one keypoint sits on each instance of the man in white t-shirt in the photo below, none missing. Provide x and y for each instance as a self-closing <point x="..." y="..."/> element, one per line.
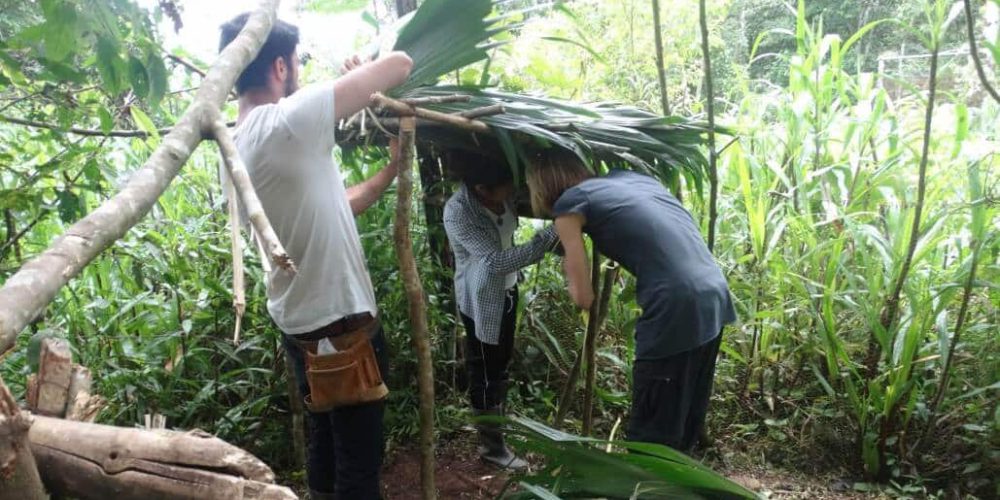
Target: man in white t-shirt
<point x="285" y="136"/>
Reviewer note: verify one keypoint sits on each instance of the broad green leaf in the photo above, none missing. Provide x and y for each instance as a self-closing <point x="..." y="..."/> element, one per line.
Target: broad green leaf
<point x="69" y="205"/>
<point x="110" y="64"/>
<point x="143" y="121"/>
<point x="107" y="122"/>
<point x="157" y="79"/>
<point x="60" y="29"/>
<point x="138" y="77"/>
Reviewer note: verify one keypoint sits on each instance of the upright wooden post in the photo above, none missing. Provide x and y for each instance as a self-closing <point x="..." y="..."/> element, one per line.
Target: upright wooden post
<point x="415" y="298"/>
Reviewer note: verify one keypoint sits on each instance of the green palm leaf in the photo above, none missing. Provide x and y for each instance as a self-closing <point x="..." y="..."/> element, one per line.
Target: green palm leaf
<point x="578" y="467"/>
<point x="445" y="35"/>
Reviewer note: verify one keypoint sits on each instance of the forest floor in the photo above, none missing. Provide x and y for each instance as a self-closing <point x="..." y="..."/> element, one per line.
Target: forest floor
<point x="460" y="475"/>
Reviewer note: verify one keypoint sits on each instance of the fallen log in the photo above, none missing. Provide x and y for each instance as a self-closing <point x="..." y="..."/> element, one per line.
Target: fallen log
<point x="92" y="461"/>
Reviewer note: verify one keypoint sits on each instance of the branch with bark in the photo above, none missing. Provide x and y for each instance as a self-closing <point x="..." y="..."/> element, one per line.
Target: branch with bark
<point x="26" y="294"/>
<point x="248" y="197"/>
<point x="417" y="308"/>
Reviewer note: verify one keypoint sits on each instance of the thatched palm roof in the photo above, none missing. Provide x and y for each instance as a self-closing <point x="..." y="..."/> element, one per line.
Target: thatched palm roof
<point x="444" y="35"/>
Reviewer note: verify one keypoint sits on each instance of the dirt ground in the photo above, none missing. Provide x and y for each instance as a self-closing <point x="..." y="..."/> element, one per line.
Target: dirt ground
<point x="460" y="475"/>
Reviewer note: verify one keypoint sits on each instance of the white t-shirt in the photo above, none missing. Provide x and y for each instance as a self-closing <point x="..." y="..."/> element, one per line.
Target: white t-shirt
<point x="506" y="224"/>
<point x="288" y="151"/>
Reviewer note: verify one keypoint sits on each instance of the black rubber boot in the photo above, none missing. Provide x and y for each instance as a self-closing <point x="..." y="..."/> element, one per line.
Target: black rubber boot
<point x="317" y="495"/>
<point x="492" y="447"/>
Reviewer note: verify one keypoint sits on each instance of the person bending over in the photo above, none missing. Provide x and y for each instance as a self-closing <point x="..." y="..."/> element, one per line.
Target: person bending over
<point x="684" y="297"/>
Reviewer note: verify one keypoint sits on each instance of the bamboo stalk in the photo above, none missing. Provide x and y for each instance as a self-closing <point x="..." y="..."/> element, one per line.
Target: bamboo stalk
<point x="417" y="308"/>
<point x="970" y="24"/>
<point x="404" y="109"/>
<point x="713" y="156"/>
<point x="244" y="187"/>
<point x="891" y="307"/>
<point x="26" y="294"/>
<point x="660" y="71"/>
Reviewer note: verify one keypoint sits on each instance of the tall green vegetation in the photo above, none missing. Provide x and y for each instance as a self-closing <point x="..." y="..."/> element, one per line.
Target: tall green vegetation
<point x="818" y="231"/>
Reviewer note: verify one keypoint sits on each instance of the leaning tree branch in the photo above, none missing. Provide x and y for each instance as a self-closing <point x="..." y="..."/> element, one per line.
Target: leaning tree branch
<point x="974" y="52"/>
<point x="248" y="197"/>
<point x="26" y="294"/>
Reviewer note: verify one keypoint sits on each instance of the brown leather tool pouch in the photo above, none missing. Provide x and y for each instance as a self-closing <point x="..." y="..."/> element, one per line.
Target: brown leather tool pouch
<point x="347" y="377"/>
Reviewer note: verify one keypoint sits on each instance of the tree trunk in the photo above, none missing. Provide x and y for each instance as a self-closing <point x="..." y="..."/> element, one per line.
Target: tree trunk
<point x="26" y="294"/>
<point x="19" y="478"/>
<point x="713" y="168"/>
<point x="417" y="309"/>
<point x="92" y="461"/>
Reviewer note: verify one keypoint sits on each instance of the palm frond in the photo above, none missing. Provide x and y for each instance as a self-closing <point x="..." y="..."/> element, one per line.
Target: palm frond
<point x="445" y="35"/>
<point x="580" y="467"/>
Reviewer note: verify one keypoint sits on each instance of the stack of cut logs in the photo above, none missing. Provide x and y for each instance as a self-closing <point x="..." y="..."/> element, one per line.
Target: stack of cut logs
<point x="79" y="459"/>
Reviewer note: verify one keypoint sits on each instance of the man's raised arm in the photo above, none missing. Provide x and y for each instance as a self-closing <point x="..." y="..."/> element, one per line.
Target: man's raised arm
<point x="353" y="90"/>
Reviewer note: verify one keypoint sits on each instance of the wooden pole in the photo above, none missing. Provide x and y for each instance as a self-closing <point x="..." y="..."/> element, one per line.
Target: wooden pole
<point x="604" y="301"/>
<point x="403" y="109"/>
<point x="28" y="292"/>
<point x="417" y="309"/>
<point x="590" y="344"/>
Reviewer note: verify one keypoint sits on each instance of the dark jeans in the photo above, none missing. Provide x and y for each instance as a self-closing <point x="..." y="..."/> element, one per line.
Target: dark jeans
<point x="487" y="363"/>
<point x="345" y="444"/>
<point x="670" y="396"/>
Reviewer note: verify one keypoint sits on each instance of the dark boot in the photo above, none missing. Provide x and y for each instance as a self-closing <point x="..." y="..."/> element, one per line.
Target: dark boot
<point x="317" y="495"/>
<point x="492" y="448"/>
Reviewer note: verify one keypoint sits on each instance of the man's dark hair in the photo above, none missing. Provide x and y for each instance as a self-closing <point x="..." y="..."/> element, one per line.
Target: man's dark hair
<point x="475" y="169"/>
<point x="281" y="42"/>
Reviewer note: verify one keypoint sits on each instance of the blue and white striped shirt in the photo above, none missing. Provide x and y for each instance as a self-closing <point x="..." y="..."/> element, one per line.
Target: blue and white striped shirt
<point x="481" y="262"/>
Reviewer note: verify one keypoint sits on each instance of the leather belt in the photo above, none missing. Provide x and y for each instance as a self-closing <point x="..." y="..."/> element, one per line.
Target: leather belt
<point x="349" y="323"/>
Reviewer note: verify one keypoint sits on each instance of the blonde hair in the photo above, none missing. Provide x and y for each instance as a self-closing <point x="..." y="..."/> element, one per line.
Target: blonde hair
<point x="550" y="173"/>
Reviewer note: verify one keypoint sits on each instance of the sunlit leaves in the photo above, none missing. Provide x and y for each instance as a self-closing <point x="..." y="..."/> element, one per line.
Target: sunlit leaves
<point x="335" y="6"/>
<point x="61" y="31"/>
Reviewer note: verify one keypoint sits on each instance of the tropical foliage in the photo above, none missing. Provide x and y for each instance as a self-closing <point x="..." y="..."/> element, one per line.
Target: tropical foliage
<point x="819" y="189"/>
